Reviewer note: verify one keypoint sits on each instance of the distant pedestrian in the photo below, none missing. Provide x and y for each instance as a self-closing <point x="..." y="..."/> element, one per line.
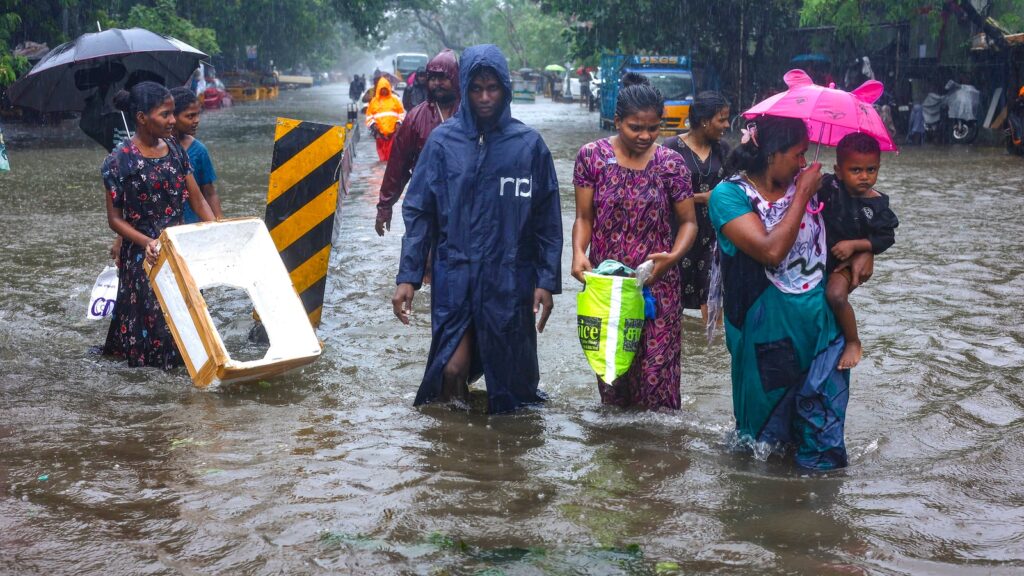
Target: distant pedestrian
<point x="416" y="90"/>
<point x="383" y="116"/>
<point x="354" y="91"/>
<point x="186" y="123"/>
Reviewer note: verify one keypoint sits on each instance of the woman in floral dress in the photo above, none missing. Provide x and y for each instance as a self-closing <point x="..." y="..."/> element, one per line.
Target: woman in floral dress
<point x="704" y="153"/>
<point x="148" y="179"/>
<point x="627" y="190"/>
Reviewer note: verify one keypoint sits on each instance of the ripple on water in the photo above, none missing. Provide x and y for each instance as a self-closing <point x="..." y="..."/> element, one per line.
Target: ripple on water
<point x="330" y="469"/>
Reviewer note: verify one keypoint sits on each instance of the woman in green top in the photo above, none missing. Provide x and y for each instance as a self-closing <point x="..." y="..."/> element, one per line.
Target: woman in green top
<point x="780" y="331"/>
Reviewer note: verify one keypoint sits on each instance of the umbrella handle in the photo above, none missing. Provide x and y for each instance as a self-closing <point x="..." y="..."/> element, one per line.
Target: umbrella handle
<point x="821" y="133"/>
<point x="125" y="120"/>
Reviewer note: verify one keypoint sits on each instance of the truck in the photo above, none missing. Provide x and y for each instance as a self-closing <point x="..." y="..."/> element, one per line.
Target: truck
<point x="405" y="64"/>
<point x="672" y="75"/>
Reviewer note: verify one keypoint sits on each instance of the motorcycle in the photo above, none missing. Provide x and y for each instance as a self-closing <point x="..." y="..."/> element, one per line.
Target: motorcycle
<point x="959" y="125"/>
<point x="1015" y="126"/>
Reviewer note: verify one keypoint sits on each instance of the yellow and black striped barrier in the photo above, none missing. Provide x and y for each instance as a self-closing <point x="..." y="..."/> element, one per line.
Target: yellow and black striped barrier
<point x="301" y="203"/>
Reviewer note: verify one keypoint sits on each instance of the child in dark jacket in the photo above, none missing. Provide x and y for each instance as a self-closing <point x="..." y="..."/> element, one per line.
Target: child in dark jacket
<point x="857" y="219"/>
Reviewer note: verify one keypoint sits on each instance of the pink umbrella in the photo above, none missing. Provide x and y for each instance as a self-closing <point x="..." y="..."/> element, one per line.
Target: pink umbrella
<point x="829" y="113"/>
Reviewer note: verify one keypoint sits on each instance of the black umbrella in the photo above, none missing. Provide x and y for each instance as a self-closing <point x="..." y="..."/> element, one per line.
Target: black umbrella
<point x="103" y="62"/>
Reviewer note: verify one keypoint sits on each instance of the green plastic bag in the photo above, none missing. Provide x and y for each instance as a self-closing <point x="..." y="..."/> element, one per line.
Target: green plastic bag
<point x="610" y="320"/>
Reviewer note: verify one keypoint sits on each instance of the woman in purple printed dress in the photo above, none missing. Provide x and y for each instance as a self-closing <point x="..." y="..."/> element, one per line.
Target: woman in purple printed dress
<point x="627" y="190"/>
<point x="148" y="180"/>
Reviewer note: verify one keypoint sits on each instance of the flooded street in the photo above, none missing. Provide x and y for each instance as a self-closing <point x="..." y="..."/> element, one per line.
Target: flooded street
<point x="109" y="469"/>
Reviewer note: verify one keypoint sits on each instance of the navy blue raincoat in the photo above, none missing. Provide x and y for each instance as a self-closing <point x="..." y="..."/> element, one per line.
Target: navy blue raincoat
<point x="486" y="204"/>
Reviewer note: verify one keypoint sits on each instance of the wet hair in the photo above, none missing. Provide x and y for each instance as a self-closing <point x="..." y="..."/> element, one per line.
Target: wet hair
<point x="637" y="94"/>
<point x="856" y="143"/>
<point x="183" y="98"/>
<point x="143" y="97"/>
<point x="485" y="71"/>
<point x="706" y="106"/>
<point x="770" y="134"/>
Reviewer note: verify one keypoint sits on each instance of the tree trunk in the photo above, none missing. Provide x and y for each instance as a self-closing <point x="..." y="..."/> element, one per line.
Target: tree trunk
<point x="437" y="29"/>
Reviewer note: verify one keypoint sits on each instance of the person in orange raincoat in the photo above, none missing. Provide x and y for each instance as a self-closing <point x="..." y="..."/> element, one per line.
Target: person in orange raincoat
<point x="383" y="116"/>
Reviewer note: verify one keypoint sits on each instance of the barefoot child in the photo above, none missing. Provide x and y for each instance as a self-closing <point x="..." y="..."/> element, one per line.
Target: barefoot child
<point x="857" y="219"/>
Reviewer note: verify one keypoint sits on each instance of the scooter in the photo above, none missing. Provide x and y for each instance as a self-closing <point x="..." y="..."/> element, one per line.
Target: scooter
<point x="960" y="124"/>
<point x="1015" y="126"/>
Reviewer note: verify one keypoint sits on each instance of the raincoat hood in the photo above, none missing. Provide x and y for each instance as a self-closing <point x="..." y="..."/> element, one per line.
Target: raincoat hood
<point x="383" y="89"/>
<point x="448" y="64"/>
<point x="474" y="59"/>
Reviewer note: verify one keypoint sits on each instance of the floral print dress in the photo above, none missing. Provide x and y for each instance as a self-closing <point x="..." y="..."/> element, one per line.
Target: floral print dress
<point x="150" y="193"/>
<point x="633" y="218"/>
<point x="695" y="266"/>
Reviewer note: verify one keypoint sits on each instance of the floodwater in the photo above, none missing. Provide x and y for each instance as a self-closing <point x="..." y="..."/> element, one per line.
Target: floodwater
<point x="107" y="469"/>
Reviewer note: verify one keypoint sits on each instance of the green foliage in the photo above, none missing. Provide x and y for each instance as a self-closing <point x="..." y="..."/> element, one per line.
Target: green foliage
<point x="527" y="35"/>
<point x="1009" y="14"/>
<point x="162" y="18"/>
<point x="733" y="40"/>
<point x="11" y="66"/>
<point x="854" y="18"/>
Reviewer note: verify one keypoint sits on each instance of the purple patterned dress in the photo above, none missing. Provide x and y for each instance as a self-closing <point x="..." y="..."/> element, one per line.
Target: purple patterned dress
<point x="150" y="192"/>
<point x="633" y="218"/>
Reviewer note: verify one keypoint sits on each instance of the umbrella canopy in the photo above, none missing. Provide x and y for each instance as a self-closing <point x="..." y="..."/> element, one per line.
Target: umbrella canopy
<point x="554" y="68"/>
<point x="108" y="60"/>
<point x="810" y="58"/>
<point x="829" y="113"/>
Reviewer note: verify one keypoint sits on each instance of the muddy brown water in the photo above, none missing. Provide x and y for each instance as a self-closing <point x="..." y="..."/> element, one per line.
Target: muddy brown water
<point x="107" y="469"/>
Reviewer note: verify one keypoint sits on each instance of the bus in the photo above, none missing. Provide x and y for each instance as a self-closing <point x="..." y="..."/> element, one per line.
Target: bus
<point x="406" y="63"/>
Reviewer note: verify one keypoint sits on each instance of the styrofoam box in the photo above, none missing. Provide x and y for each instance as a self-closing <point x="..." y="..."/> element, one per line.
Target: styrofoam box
<point x="238" y="253"/>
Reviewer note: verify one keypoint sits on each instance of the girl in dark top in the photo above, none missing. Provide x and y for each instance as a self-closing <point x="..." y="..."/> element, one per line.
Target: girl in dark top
<point x="704" y="154"/>
<point x="148" y="179"/>
<point x="857" y="219"/>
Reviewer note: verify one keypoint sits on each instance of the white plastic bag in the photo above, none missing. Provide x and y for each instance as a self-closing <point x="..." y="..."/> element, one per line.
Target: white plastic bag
<point x="5" y="164"/>
<point x="104" y="295"/>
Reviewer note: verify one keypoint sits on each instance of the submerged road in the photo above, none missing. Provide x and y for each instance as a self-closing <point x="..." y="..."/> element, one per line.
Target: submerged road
<point x="107" y="469"/>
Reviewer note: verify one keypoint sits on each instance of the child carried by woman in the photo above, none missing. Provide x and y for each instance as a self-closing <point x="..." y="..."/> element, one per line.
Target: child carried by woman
<point x="857" y="219"/>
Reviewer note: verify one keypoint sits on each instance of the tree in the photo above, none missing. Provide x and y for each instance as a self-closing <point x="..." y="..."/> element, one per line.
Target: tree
<point x="527" y="36"/>
<point x="162" y="18"/>
<point x="726" y="38"/>
<point x="11" y="66"/>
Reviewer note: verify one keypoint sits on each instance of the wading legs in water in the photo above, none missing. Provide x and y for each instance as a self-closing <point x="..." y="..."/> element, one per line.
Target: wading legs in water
<point x="455" y="386"/>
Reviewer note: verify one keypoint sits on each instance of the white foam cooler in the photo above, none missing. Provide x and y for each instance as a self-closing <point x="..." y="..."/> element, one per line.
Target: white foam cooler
<point x="238" y="253"/>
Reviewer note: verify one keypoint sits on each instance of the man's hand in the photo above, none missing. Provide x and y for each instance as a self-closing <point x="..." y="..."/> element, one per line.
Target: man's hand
<point x="401" y="302"/>
<point x="383" y="221"/>
<point x="542" y="299"/>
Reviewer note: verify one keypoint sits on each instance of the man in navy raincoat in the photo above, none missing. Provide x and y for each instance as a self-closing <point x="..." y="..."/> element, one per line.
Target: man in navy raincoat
<point x="484" y="200"/>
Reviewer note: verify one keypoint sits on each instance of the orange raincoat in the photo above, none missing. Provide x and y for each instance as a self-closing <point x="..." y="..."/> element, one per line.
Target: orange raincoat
<point x="385" y="110"/>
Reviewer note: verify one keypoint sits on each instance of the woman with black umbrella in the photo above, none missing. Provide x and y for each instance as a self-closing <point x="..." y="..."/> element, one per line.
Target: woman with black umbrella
<point x="148" y="179"/>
